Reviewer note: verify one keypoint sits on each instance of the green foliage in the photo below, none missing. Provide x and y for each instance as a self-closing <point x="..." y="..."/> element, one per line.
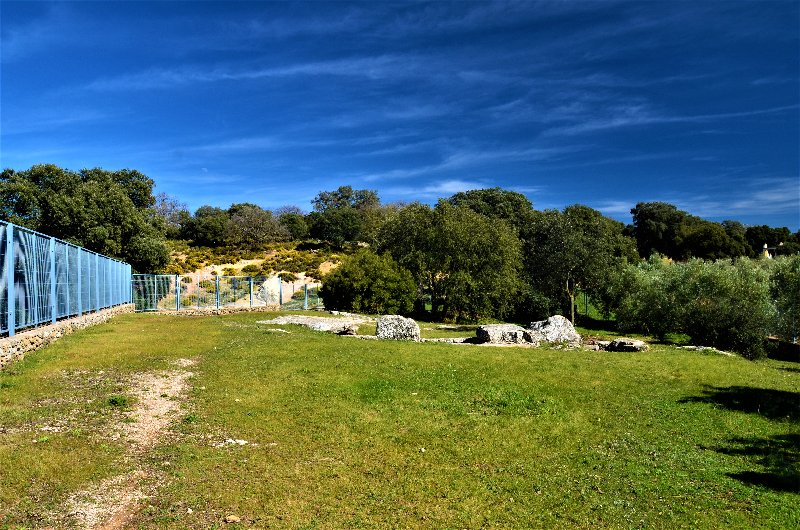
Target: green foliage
<point x="336" y="225"/>
<point x="295" y="224"/>
<point x="296" y="261"/>
<point x="468" y="264"/>
<point x="496" y="203"/>
<point x="110" y="212"/>
<point x="251" y="226"/>
<point x="287" y="277"/>
<point x="345" y="197"/>
<point x="119" y="401"/>
<point x="207" y="227"/>
<point x="785" y="290"/>
<point x="662" y="228"/>
<point x="781" y="239"/>
<point x="579" y="249"/>
<point x="723" y="304"/>
<point x="251" y="270"/>
<point x="369" y="283"/>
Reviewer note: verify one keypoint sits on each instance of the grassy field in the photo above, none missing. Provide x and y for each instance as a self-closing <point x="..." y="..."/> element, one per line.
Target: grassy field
<point x="345" y="433"/>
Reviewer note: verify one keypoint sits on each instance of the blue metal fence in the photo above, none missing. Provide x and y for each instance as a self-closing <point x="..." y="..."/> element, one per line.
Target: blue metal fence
<point x="172" y="292"/>
<point x="45" y="279"/>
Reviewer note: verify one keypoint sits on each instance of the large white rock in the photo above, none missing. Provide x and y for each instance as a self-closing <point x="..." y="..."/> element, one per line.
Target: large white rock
<point x="556" y="330"/>
<point x="395" y="327"/>
<point x="501" y="334"/>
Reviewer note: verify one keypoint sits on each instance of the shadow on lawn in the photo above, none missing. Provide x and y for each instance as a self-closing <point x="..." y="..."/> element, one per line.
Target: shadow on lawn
<point x="772" y="404"/>
<point x="778" y="457"/>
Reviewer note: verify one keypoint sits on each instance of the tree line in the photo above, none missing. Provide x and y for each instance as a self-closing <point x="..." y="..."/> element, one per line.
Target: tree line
<point x="479" y="254"/>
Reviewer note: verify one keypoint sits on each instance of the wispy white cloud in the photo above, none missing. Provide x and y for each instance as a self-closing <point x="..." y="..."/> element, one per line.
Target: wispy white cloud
<point x="160" y="78"/>
<point x="470" y="158"/>
<point x="756" y="197"/>
<point x="639" y="115"/>
<point x="437" y="189"/>
<point x="49" y="119"/>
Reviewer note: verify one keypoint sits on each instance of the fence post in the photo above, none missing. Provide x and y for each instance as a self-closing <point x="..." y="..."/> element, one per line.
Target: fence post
<point x="177" y="292"/>
<point x="53" y="304"/>
<point x="12" y="297"/>
<point x="66" y="275"/>
<point x="305" y="299"/>
<point x="80" y="281"/>
<point x="97" y="282"/>
<point x="216" y="289"/>
<point x="280" y="291"/>
<point x="251" y="291"/>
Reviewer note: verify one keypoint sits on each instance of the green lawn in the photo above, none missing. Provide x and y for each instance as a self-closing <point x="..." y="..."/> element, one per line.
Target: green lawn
<point x="346" y="433"/>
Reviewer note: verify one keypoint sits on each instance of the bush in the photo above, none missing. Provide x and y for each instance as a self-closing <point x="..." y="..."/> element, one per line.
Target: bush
<point x="369" y="283"/>
<point x="785" y="289"/>
<point x="251" y="270"/>
<point x="723" y="304"/>
<point x="207" y="284"/>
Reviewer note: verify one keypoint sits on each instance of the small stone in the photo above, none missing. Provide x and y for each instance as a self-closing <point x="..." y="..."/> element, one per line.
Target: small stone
<point x="627" y="345"/>
<point x="233" y="519"/>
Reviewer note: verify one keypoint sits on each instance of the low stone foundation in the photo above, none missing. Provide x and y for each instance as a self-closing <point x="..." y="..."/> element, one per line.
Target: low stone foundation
<point x="203" y="312"/>
<point x="14" y="348"/>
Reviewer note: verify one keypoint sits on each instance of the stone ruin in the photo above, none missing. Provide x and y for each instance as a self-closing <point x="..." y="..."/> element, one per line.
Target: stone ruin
<point x="395" y="327"/>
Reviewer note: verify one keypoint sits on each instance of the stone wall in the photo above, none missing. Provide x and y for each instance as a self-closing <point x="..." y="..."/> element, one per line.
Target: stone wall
<point x="14" y="348"/>
<point x="194" y="312"/>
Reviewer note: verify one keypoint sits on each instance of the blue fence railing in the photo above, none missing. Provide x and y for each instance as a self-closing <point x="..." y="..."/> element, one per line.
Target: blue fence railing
<point x="45" y="279"/>
<point x="171" y="292"/>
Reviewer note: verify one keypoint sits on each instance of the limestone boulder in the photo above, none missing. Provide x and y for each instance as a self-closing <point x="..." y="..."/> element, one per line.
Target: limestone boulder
<point x="555" y="330"/>
<point x="396" y="327"/>
<point x="501" y="334"/>
<point x="623" y="344"/>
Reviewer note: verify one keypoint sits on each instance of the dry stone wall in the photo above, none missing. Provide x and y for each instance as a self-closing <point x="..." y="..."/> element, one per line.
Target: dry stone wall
<point x="201" y="312"/>
<point x="14" y="348"/>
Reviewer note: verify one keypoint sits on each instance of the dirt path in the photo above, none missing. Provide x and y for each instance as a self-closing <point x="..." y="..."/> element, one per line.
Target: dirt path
<point x="111" y="504"/>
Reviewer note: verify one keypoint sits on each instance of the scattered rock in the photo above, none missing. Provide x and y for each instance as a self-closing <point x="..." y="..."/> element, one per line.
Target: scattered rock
<point x="629" y="345"/>
<point x="555" y="330"/>
<point x="708" y="349"/>
<point x="395" y="327"/>
<point x="231" y="441"/>
<point x="501" y="334"/>
<point x="340" y="326"/>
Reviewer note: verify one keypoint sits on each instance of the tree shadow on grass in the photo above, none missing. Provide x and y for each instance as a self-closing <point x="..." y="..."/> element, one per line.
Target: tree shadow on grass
<point x="772" y="404"/>
<point x="777" y="456"/>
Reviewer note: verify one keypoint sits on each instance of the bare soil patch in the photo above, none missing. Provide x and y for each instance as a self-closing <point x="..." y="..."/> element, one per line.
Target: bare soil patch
<point x="112" y="503"/>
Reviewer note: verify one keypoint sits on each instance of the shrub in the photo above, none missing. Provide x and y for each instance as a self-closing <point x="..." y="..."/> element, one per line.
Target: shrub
<point x="369" y="283"/>
<point x="723" y="304"/>
<point x="206" y="284"/>
<point x="251" y="270"/>
<point x="287" y="277"/>
<point x="785" y="290"/>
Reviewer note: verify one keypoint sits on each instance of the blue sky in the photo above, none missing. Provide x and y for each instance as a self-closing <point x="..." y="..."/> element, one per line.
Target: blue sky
<point x="599" y="103"/>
